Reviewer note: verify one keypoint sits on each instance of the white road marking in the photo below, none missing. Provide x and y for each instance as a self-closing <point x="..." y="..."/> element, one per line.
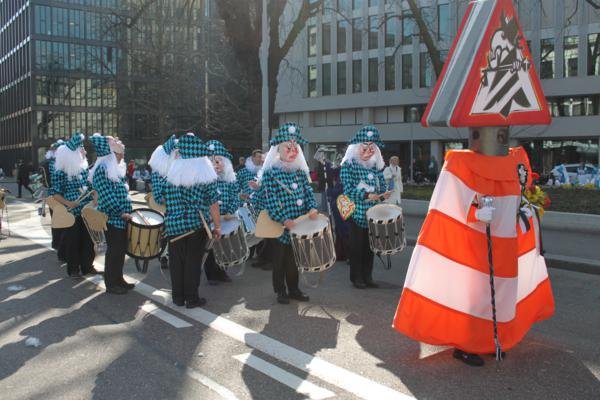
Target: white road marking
<point x="347" y="380"/>
<point x="209" y="383"/>
<point x="300" y="385"/>
<point x="151" y="308"/>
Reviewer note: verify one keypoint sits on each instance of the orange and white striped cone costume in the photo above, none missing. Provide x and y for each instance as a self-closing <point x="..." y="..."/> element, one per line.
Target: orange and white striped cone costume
<point x="446" y="296"/>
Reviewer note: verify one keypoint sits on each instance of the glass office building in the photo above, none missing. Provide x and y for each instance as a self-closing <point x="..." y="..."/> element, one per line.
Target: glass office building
<point x="58" y="64"/>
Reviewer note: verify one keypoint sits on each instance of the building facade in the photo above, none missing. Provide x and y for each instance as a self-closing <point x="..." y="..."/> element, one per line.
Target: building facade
<point x="363" y="62"/>
<point x="83" y="66"/>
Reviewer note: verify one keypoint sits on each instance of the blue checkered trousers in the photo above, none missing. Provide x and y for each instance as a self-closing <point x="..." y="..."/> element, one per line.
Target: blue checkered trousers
<point x="286" y="195"/>
<point x="184" y="205"/>
<point x="113" y="197"/>
<point x="228" y="194"/>
<point x="352" y="174"/>
<point x="70" y="188"/>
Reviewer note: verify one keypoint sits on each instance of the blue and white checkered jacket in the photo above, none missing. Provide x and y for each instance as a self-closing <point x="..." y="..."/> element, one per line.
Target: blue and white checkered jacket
<point x="357" y="181"/>
<point x="228" y="194"/>
<point x="286" y="195"/>
<point x="113" y="197"/>
<point x="184" y="205"/>
<point x="71" y="188"/>
<point x="243" y="177"/>
<point x="158" y="187"/>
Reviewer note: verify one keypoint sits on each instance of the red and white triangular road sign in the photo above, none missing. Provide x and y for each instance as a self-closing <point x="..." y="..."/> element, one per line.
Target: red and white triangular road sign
<point x="489" y="78"/>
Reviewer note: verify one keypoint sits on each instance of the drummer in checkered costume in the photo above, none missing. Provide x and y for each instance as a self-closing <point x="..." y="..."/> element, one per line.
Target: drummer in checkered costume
<point x="160" y="161"/>
<point x="190" y="190"/>
<point x="57" y="233"/>
<point x="108" y="179"/>
<point x="69" y="184"/>
<point x="286" y="194"/>
<point x="228" y="191"/>
<point x="362" y="178"/>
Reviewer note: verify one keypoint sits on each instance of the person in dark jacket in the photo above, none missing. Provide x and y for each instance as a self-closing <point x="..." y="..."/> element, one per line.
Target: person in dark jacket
<point x="23" y="177"/>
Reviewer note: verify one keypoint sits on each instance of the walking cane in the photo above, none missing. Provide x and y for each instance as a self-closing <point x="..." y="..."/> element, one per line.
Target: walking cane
<point x="487" y="202"/>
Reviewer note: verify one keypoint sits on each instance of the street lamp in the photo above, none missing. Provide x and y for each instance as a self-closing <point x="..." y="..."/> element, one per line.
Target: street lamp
<point x="413" y="118"/>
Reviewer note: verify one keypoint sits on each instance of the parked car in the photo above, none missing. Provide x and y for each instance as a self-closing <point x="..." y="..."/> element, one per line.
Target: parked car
<point x="588" y="176"/>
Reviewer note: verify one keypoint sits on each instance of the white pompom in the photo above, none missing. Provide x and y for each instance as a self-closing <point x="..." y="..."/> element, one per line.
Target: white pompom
<point x="370" y="133"/>
<point x="211" y="147"/>
<point x="292" y="129"/>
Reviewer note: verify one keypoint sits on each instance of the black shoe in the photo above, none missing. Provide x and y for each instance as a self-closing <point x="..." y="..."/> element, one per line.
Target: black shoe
<point x="116" y="290"/>
<point x="92" y="271"/>
<point x="196" y="303"/>
<point x="74" y="274"/>
<point x="127" y="285"/>
<point x="298" y="295"/>
<point x="179" y="303"/>
<point x="468" y="358"/>
<point x="359" y="285"/>
<point x="372" y="285"/>
<point x="282" y="298"/>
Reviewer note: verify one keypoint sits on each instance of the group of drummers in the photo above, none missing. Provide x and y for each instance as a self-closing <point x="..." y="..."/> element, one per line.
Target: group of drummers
<point x="209" y="216"/>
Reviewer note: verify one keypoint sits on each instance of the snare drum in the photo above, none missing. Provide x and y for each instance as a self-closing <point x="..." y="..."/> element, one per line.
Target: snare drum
<point x="231" y="249"/>
<point x="246" y="215"/>
<point x="386" y="229"/>
<point x="144" y="232"/>
<point x="312" y="243"/>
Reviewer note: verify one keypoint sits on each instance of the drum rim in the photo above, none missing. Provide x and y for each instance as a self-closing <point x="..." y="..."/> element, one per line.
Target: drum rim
<point x="132" y="222"/>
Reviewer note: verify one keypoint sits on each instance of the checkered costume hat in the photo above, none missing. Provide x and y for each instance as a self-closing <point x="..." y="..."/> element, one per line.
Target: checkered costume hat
<point x="216" y="148"/>
<point x="368" y="133"/>
<point x="57" y="144"/>
<point x="190" y="146"/>
<point x="100" y="144"/>
<point x="287" y="132"/>
<point x="75" y="142"/>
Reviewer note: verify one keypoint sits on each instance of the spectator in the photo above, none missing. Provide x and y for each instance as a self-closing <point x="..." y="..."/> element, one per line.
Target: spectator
<point x="241" y="163"/>
<point x="23" y="177"/>
<point x="432" y="170"/>
<point x="393" y="177"/>
<point x="1" y="173"/>
<point x="130" y="171"/>
<point x="146" y="177"/>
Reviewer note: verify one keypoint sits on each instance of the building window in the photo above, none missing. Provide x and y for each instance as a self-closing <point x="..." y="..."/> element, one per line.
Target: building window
<point x="341" y="77"/>
<point x="326" y="39"/>
<point x="570" y="54"/>
<point x="356" y="76"/>
<point x="312" y="41"/>
<point x="357" y="4"/>
<point x="326" y="86"/>
<point x="373" y="75"/>
<point x="328" y="7"/>
<point x="547" y="58"/>
<point x="390" y="30"/>
<point x="406" y="71"/>
<point x="594" y="54"/>
<point x="373" y="31"/>
<point x="425" y="71"/>
<point x="312" y="81"/>
<point x="342" y="27"/>
<point x="357" y="28"/>
<point x="408" y="27"/>
<point x="442" y="23"/>
<point x="547" y="13"/>
<point x="390" y="73"/>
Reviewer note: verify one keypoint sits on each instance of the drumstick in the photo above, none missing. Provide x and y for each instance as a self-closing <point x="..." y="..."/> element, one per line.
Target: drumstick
<point x="146" y="222"/>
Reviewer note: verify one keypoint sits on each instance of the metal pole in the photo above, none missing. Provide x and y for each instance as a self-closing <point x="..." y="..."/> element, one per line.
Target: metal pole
<point x="264" y="63"/>
<point x="413" y="112"/>
<point x="207" y="38"/>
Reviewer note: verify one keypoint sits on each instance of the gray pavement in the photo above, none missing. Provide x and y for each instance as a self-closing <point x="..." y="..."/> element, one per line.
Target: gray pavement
<point x="340" y="345"/>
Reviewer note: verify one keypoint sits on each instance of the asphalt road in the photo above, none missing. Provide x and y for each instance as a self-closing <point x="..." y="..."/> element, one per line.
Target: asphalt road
<point x="244" y="345"/>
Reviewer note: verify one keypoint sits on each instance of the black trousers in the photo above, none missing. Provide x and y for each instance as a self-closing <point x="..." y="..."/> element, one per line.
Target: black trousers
<point x="79" y="248"/>
<point x="58" y="242"/>
<point x="26" y="185"/>
<point x="116" y="246"/>
<point x="185" y="256"/>
<point x="361" y="256"/>
<point x="212" y="270"/>
<point x="285" y="271"/>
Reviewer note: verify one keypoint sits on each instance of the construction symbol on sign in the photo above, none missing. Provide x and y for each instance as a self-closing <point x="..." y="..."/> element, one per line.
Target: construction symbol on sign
<point x="505" y="84"/>
<point x="488" y="78"/>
